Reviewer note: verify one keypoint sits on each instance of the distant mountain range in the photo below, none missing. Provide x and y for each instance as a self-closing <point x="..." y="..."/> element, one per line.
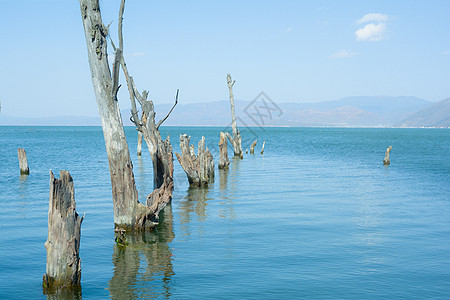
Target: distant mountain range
<point x="376" y="111"/>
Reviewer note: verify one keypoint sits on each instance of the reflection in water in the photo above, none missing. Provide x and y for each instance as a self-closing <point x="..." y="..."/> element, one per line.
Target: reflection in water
<point x="195" y="200"/>
<point x="23" y="189"/>
<point x="227" y="193"/>
<point x="143" y="268"/>
<point x="66" y="295"/>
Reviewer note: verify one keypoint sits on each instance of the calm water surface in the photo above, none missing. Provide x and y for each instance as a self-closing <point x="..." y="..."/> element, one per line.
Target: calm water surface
<point x="316" y="216"/>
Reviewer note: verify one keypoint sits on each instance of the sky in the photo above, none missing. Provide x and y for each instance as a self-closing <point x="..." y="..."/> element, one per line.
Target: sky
<point x="294" y="51"/>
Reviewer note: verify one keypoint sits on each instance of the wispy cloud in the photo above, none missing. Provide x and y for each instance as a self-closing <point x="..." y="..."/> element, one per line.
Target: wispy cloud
<point x="137" y="54"/>
<point x="375" y="30"/>
<point x="343" y="54"/>
<point x="446" y="52"/>
<point x="289" y="29"/>
<point x="373" y="18"/>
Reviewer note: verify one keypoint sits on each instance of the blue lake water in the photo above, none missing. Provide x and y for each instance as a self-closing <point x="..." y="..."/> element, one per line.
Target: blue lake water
<point x="316" y="216"/>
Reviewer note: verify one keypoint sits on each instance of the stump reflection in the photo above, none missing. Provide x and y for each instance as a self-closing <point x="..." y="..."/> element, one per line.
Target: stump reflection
<point x="143" y="268"/>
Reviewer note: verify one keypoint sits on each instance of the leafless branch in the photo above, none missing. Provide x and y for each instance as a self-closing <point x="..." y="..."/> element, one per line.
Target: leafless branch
<point x="176" y="101"/>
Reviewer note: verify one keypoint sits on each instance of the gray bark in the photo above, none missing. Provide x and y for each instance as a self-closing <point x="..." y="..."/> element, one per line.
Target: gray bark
<point x="128" y="212"/>
<point x="199" y="168"/>
<point x="64" y="233"/>
<point x="236" y="141"/>
<point x="252" y="147"/>
<point x="386" y="160"/>
<point x="23" y="162"/>
<point x="223" y="152"/>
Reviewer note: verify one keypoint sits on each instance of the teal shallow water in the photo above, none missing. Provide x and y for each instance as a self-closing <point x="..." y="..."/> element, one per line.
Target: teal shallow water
<point x="317" y="216"/>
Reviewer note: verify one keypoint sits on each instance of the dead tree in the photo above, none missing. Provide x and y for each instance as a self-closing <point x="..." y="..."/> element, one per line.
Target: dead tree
<point x="252" y="147"/>
<point x="386" y="160"/>
<point x="236" y="140"/>
<point x="199" y="168"/>
<point x="23" y="162"/>
<point x="223" y="152"/>
<point x="64" y="233"/>
<point x="262" y="149"/>
<point x="129" y="214"/>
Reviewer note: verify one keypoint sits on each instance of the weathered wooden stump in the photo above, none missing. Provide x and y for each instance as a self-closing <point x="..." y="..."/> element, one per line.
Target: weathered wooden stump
<point x="262" y="150"/>
<point x="223" y="152"/>
<point x="64" y="232"/>
<point x="236" y="140"/>
<point x="199" y="168"/>
<point x="252" y="147"/>
<point x="139" y="146"/>
<point x="386" y="160"/>
<point x="23" y="162"/>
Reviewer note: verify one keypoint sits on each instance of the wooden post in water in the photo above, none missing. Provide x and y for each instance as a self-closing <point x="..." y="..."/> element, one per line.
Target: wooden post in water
<point x="262" y="150"/>
<point x="223" y="152"/>
<point x="199" y="168"/>
<point x="23" y="162"/>
<point x="64" y="233"/>
<point x="252" y="147"/>
<point x="386" y="160"/>
<point x="139" y="146"/>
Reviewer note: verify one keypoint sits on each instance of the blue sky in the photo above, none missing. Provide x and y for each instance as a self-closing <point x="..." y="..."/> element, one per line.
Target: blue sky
<point x="295" y="51"/>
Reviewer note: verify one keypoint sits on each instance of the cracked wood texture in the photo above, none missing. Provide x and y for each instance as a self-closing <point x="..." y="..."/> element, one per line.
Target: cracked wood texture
<point x="64" y="232"/>
<point x="23" y="162"/>
<point x="199" y="168"/>
<point x="129" y="214"/>
<point x="223" y="152"/>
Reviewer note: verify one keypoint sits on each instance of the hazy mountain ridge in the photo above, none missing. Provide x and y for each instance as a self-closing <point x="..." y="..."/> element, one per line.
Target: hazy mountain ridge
<point x="375" y="111"/>
<point x="435" y="115"/>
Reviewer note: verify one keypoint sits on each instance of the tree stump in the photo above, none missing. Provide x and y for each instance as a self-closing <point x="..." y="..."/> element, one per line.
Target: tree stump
<point x="386" y="160"/>
<point x="199" y="168"/>
<point x="223" y="152"/>
<point x="23" y="162"/>
<point x="262" y="150"/>
<point x="139" y="146"/>
<point x="252" y="147"/>
<point x="64" y="232"/>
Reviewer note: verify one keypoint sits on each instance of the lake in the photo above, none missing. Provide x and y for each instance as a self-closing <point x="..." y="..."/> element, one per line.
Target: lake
<point x="316" y="216"/>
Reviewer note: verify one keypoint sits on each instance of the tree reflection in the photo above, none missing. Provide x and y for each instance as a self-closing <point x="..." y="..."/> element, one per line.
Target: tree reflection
<point x="143" y="268"/>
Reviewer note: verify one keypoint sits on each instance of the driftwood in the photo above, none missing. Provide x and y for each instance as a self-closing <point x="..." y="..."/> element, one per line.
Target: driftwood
<point x="129" y="214"/>
<point x="199" y="168"/>
<point x="223" y="152"/>
<point x="386" y="160"/>
<point x="23" y="162"/>
<point x="64" y="232"/>
<point x="236" y="140"/>
<point x="262" y="150"/>
<point x="252" y="147"/>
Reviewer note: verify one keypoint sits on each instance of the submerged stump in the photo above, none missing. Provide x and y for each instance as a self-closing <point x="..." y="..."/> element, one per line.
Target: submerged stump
<point x="386" y="160"/>
<point x="252" y="147"/>
<point x="199" y="168"/>
<point x="262" y="150"/>
<point x="23" y="162"/>
<point x="223" y="152"/>
<point x="63" y="269"/>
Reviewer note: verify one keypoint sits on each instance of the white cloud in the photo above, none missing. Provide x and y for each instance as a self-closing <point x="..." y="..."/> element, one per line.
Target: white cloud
<point x="137" y="54"/>
<point x="343" y="54"/>
<point x="289" y="29"/>
<point x="371" y="32"/>
<point x="446" y="52"/>
<point x="373" y="18"/>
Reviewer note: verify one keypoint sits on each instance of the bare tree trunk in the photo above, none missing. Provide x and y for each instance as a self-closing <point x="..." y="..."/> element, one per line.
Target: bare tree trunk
<point x="128" y="212"/>
<point x="64" y="233"/>
<point x="199" y="168"/>
<point x="236" y="141"/>
<point x="139" y="146"/>
<point x="223" y="150"/>
<point x="262" y="150"/>
<point x="23" y="162"/>
<point x="252" y="147"/>
<point x="386" y="160"/>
